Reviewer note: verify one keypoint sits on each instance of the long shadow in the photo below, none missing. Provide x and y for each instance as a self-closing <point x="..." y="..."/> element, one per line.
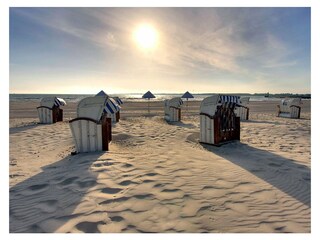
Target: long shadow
<point x="283" y="173"/>
<point x="272" y="122"/>
<point x="181" y="124"/>
<point x="13" y="130"/>
<point x="52" y="194"/>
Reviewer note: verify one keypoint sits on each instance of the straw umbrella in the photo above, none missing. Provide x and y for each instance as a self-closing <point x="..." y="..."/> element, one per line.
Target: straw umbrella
<point x="148" y="95"/>
<point x="187" y="95"/>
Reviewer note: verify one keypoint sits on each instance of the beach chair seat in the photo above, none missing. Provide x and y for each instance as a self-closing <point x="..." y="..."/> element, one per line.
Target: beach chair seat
<point x="92" y="129"/>
<point x="218" y="122"/>
<point x="289" y="108"/>
<point x="49" y="110"/>
<point x="172" y="109"/>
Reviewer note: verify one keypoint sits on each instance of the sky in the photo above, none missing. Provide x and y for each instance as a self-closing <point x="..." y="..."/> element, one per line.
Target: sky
<point x="202" y="50"/>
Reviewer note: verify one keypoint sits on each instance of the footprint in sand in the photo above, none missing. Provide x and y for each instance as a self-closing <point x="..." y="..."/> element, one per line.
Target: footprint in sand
<point x="127" y="182"/>
<point x="89" y="227"/>
<point x="111" y="190"/>
<point x="143" y="196"/>
<point x="117" y="200"/>
<point x="151" y="174"/>
<point x="116" y="219"/>
<point x="127" y="165"/>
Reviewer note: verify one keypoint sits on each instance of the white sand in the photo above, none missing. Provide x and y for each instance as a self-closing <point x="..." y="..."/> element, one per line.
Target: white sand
<point x="158" y="178"/>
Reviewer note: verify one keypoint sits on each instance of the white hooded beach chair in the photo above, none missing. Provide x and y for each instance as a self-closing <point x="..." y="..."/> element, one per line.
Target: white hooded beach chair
<point x="91" y="130"/>
<point x="242" y="110"/>
<point x="115" y="105"/>
<point x="289" y="108"/>
<point x="172" y="109"/>
<point x="218" y="122"/>
<point x="49" y="110"/>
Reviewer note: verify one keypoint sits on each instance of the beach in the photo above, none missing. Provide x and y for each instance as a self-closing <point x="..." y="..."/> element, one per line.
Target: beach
<point x="157" y="177"/>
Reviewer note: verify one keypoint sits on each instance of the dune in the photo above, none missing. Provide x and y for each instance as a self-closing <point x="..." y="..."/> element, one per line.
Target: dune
<point x="158" y="178"/>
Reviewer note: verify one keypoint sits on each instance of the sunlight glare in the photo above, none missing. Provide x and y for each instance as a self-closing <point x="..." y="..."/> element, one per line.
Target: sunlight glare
<point x="146" y="36"/>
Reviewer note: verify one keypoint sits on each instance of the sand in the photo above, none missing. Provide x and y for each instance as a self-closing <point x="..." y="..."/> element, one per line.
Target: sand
<point x="158" y="178"/>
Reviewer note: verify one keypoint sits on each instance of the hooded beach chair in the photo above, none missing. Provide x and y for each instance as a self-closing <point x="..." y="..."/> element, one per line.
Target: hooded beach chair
<point x="289" y="108"/>
<point x="242" y="110"/>
<point x="115" y="104"/>
<point x="172" y="109"/>
<point x="91" y="130"/>
<point x="49" y="110"/>
<point x="218" y="122"/>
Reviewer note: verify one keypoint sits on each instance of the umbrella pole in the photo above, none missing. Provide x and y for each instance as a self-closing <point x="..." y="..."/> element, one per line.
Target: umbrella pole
<point x="187" y="105"/>
<point x="148" y="106"/>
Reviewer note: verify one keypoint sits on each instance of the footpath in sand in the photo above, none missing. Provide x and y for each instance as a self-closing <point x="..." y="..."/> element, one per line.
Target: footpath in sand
<point x="158" y="178"/>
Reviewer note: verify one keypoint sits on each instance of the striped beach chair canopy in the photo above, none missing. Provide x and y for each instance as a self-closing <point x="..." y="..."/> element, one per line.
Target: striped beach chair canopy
<point x="111" y="106"/>
<point x="59" y="102"/>
<point x="209" y="104"/>
<point x="229" y="101"/>
<point x="118" y="100"/>
<point x="229" y="98"/>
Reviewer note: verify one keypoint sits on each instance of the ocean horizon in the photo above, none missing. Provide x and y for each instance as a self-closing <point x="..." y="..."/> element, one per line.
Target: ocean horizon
<point x="135" y="97"/>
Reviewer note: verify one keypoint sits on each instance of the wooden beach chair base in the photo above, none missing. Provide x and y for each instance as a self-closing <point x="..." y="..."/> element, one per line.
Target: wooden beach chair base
<point x="219" y="129"/>
<point x="50" y="115"/>
<point x="90" y="135"/>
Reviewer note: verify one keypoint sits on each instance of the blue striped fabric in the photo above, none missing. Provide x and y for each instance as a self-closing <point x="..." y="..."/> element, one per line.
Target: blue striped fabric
<point x="119" y="101"/>
<point x="59" y="102"/>
<point x="229" y="98"/>
<point x="111" y="106"/>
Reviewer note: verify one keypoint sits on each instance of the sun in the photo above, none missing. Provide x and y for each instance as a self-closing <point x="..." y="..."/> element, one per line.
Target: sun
<point x="146" y="37"/>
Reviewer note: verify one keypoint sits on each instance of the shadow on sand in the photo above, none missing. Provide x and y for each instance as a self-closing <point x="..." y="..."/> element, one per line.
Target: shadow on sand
<point x="14" y="130"/>
<point x="52" y="194"/>
<point x="285" y="174"/>
<point x="181" y="124"/>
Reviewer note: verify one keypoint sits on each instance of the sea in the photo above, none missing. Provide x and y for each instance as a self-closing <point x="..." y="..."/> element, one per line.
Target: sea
<point x="132" y="97"/>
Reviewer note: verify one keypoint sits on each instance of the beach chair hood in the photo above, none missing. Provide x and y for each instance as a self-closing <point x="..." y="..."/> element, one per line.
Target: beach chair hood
<point x="51" y="102"/>
<point x="174" y="102"/>
<point x="91" y="107"/>
<point x="118" y="100"/>
<point x="209" y="104"/>
<point x="94" y="107"/>
<point x="291" y="101"/>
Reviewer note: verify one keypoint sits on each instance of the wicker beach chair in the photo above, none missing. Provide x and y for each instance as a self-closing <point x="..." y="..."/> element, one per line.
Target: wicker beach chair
<point x="172" y="109"/>
<point x="49" y="110"/>
<point x="289" y="108"/>
<point x="91" y="130"/>
<point x="218" y="122"/>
